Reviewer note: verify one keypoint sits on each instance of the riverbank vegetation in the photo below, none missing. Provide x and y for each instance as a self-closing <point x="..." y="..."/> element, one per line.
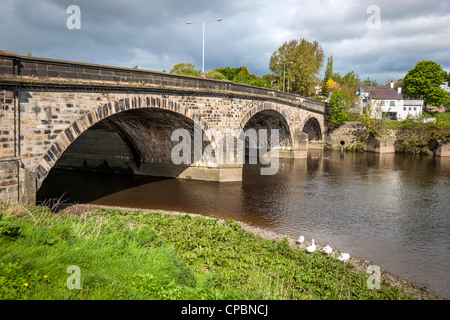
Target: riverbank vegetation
<point x="137" y="255"/>
<point x="416" y="136"/>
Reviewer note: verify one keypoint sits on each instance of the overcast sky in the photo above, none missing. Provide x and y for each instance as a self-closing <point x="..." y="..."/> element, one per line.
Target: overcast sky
<point x="154" y="34"/>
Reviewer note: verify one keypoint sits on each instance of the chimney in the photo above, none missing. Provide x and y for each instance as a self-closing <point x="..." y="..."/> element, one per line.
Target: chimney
<point x="392" y="84"/>
<point x="399" y="89"/>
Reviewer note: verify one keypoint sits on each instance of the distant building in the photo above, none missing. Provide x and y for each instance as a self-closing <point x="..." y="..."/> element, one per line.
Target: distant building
<point x="445" y="86"/>
<point x="391" y="101"/>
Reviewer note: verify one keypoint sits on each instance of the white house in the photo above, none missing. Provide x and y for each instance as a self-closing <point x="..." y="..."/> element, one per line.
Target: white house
<point x="391" y="101"/>
<point x="446" y="86"/>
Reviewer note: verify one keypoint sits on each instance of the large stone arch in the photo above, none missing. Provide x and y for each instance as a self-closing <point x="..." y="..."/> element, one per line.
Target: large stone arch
<point x="312" y="126"/>
<point x="274" y="111"/>
<point x="263" y="107"/>
<point x="271" y="119"/>
<point x="65" y="139"/>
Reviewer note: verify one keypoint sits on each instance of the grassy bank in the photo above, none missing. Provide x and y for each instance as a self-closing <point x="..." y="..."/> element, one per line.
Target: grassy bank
<point x="137" y="255"/>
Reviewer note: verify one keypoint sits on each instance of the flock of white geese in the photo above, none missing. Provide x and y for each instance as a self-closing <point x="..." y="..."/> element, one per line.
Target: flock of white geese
<point x="327" y="249"/>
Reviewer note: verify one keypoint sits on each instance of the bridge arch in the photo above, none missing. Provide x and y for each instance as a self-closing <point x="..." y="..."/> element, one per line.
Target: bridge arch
<point x="129" y="108"/>
<point x="313" y="128"/>
<point x="269" y="116"/>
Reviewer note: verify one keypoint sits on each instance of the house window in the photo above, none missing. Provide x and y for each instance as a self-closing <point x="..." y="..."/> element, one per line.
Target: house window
<point x="404" y="108"/>
<point x="392" y="103"/>
<point x="409" y="109"/>
<point x="415" y="108"/>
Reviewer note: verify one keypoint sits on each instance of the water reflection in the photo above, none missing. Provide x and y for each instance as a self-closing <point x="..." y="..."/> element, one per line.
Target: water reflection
<point x="390" y="209"/>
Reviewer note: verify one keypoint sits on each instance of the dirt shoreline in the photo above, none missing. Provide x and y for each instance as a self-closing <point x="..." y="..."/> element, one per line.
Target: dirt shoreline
<point x="419" y="292"/>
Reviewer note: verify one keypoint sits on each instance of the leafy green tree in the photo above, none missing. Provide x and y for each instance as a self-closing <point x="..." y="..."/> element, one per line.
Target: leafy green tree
<point x="423" y="82"/>
<point x="214" y="74"/>
<point x="270" y="80"/>
<point x="243" y="76"/>
<point x="229" y="72"/>
<point x="185" y="69"/>
<point x="305" y="60"/>
<point x="337" y="108"/>
<point x="351" y="80"/>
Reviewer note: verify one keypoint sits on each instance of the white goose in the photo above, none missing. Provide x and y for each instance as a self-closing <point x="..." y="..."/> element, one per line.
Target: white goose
<point x="344" y="257"/>
<point x="300" y="240"/>
<point x="327" y="249"/>
<point x="312" y="247"/>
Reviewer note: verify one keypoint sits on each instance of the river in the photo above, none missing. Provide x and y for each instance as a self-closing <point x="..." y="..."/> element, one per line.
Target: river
<point x="393" y="210"/>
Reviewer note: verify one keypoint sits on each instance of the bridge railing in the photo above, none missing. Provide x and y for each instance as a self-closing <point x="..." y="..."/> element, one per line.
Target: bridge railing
<point x="12" y="64"/>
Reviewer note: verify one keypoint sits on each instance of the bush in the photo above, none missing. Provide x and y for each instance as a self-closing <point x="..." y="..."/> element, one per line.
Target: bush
<point x="338" y="108"/>
<point x="416" y="136"/>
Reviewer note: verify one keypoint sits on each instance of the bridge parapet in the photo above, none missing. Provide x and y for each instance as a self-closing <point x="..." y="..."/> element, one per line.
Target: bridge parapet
<point x="35" y="70"/>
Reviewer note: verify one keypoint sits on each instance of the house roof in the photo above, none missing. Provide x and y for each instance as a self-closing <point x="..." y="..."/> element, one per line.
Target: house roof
<point x="386" y="94"/>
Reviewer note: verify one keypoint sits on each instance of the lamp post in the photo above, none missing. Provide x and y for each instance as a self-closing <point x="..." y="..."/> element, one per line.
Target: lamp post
<point x="203" y="49"/>
<point x="284" y="72"/>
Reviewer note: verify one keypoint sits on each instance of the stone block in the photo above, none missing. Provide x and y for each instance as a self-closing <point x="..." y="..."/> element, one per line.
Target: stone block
<point x="381" y="145"/>
<point x="443" y="149"/>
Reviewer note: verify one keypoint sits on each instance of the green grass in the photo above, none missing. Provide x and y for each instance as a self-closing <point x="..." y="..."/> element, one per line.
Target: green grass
<point x="136" y="255"/>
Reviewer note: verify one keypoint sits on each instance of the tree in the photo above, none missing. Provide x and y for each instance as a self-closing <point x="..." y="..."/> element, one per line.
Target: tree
<point x="373" y="119"/>
<point x="337" y="108"/>
<point x="351" y="80"/>
<point x="243" y="76"/>
<point x="270" y="79"/>
<point x="332" y="86"/>
<point x="214" y="74"/>
<point x="229" y="72"/>
<point x="305" y="60"/>
<point x="369" y="82"/>
<point x="328" y="75"/>
<point x="186" y="69"/>
<point x="423" y="82"/>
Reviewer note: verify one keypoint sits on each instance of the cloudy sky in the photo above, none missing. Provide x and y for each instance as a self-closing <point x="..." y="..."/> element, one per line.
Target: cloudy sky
<point x="153" y="34"/>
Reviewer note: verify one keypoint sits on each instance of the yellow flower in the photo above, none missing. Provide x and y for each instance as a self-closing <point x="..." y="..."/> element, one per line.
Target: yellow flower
<point x="25" y="284"/>
<point x="45" y="276"/>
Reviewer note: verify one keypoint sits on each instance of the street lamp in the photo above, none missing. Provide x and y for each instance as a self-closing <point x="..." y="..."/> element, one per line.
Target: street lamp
<point x="203" y="50"/>
<point x="284" y="71"/>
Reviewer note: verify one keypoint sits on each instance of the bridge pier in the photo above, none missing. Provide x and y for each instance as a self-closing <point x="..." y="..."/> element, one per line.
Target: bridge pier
<point x="299" y="147"/>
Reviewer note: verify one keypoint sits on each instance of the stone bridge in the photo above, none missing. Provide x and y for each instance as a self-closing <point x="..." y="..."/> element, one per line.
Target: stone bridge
<point x="75" y="115"/>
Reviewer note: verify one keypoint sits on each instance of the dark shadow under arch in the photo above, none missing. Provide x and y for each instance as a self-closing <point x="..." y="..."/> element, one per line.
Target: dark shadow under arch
<point x="312" y="128"/>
